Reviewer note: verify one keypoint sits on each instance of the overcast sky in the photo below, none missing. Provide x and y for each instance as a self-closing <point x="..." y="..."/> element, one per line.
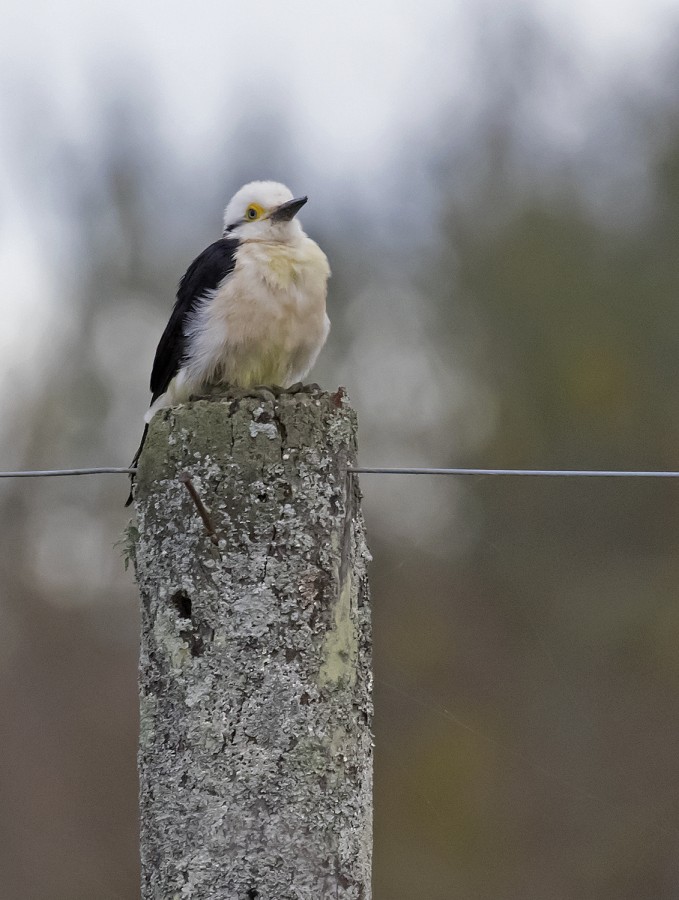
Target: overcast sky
<point x="355" y="75"/>
<point x="354" y="80"/>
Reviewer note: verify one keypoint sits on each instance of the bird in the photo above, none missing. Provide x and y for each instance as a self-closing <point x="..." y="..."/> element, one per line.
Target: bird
<point x="250" y="309"/>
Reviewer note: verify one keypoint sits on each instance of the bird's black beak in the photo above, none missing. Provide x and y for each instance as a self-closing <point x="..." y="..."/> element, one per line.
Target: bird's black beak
<point x="289" y="210"/>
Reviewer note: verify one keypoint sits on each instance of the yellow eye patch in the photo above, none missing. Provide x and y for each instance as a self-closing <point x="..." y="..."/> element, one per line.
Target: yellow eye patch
<point x="253" y="212"/>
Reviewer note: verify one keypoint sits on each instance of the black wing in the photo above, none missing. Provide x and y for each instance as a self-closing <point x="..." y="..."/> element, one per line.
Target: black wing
<point x="204" y="274"/>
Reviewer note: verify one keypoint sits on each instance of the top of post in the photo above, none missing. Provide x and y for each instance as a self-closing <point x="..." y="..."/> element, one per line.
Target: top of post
<point x="251" y="431"/>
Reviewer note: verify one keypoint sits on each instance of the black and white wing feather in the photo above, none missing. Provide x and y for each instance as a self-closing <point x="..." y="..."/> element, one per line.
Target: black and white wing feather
<point x="204" y="274"/>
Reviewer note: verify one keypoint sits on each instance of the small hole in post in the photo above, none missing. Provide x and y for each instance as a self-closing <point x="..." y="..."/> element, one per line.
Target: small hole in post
<point x="182" y="603"/>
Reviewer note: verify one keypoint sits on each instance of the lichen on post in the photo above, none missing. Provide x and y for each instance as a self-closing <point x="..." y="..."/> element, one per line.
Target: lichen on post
<point x="255" y="753"/>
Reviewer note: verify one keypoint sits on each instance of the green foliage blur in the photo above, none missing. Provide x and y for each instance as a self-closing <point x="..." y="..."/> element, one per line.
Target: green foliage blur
<point x="513" y="303"/>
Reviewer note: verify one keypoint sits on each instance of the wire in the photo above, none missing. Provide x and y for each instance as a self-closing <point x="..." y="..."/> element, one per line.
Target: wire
<point x="377" y="470"/>
<point x="559" y="473"/>
<point x="46" y="473"/>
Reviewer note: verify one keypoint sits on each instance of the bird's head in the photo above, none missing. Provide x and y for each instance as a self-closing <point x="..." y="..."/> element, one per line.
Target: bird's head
<point x="264" y="211"/>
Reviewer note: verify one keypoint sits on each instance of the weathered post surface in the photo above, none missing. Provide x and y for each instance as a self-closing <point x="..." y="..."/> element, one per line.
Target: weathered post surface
<point x="255" y="753"/>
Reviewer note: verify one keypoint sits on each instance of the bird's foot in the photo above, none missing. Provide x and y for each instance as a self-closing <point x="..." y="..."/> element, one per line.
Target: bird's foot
<point x="211" y="392"/>
<point x="299" y="388"/>
<point x="265" y="392"/>
<point x="262" y="392"/>
<point x="229" y="392"/>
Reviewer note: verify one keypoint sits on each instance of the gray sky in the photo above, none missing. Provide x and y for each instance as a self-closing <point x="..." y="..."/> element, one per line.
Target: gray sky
<point x="355" y="74"/>
<point x="356" y="79"/>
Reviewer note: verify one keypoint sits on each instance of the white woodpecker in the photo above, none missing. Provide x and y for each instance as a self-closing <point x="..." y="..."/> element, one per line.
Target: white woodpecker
<point x="250" y="310"/>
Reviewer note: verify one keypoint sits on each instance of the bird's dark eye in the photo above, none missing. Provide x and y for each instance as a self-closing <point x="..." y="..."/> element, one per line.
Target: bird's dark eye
<point x="251" y="212"/>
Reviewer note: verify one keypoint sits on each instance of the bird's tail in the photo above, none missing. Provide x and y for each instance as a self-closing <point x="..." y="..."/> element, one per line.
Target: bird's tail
<point x="136" y="460"/>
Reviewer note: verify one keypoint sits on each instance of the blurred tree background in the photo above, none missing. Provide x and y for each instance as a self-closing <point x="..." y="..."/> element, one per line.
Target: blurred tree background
<point x="506" y="295"/>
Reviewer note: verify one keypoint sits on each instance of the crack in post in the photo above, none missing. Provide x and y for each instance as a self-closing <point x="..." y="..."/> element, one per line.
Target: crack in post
<point x="185" y="479"/>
